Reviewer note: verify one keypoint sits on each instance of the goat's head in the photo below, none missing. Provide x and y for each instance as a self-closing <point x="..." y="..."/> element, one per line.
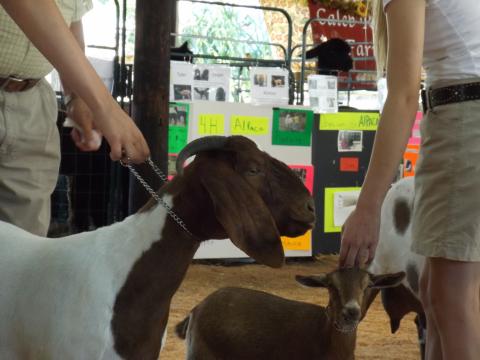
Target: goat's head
<point x="333" y="54"/>
<point x="241" y="193"/>
<point x="349" y="291"/>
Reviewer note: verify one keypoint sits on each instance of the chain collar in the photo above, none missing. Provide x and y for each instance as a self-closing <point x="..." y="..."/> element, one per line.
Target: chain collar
<point x="157" y="198"/>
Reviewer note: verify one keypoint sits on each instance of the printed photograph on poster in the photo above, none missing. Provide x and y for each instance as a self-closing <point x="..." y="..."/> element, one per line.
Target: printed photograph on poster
<point x="200" y="93"/>
<point x="211" y="82"/>
<point x="200" y="74"/>
<point x="339" y="202"/>
<point x="305" y="173"/>
<point x="182" y="92"/>
<point x="269" y="86"/>
<point x="293" y="121"/>
<point x="177" y="126"/>
<point x="344" y="202"/>
<point x="350" y="141"/>
<point x="260" y="80"/>
<point x="278" y="81"/>
<point x="292" y="127"/>
<point x="181" y="80"/>
<point x="177" y="115"/>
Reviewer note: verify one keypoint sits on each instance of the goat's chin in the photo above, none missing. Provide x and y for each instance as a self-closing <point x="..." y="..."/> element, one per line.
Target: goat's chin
<point x="295" y="229"/>
<point x="346" y="327"/>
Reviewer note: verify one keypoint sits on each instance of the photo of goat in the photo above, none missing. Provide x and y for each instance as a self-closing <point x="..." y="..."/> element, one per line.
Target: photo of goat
<point x="177" y="115"/>
<point x="260" y="80"/>
<point x="182" y="92"/>
<point x="278" y="81"/>
<point x="292" y="121"/>
<point x="200" y="93"/>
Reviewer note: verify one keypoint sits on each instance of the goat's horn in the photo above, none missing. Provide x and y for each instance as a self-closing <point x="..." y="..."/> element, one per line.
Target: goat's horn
<point x="194" y="147"/>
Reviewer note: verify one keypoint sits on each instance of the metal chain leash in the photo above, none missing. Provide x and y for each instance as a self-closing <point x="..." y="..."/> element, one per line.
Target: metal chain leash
<point x="157" y="198"/>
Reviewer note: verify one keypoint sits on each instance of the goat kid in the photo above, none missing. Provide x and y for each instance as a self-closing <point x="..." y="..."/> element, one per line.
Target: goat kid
<point x="106" y="294"/>
<point x="239" y="324"/>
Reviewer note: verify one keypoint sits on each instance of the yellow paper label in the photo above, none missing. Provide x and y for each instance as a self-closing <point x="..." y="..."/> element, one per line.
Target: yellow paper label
<point x="303" y="242"/>
<point x="329" y="223"/>
<point x="249" y="125"/>
<point x="349" y="121"/>
<point x="211" y="124"/>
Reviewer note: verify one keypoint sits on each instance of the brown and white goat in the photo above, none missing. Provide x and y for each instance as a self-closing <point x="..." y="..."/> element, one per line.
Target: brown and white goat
<point x="393" y="254"/>
<point x="106" y="294"/>
<point x="239" y="324"/>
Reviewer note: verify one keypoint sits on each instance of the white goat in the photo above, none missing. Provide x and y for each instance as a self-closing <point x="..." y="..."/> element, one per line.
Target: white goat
<point x="240" y="324"/>
<point x="106" y="294"/>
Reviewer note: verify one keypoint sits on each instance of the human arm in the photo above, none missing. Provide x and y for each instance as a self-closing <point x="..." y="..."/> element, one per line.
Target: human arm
<point x="83" y="133"/>
<point x="406" y="28"/>
<point x="44" y="26"/>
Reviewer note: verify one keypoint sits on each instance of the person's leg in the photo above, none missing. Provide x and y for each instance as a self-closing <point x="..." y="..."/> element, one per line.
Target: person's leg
<point x="29" y="157"/>
<point x="433" y="346"/>
<point x="454" y="304"/>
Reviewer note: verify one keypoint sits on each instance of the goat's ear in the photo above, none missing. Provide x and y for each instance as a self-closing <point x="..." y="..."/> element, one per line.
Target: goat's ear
<point x="386" y="280"/>
<point x="313" y="281"/>
<point x="244" y="216"/>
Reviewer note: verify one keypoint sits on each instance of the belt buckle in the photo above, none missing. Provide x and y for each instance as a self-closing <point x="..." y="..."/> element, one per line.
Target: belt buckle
<point x="426" y="100"/>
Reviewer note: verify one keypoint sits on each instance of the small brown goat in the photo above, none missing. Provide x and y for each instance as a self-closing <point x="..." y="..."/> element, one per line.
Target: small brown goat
<point x="240" y="324"/>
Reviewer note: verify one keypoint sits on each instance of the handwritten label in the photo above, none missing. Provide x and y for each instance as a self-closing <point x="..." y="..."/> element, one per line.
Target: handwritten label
<point x="249" y="125"/>
<point x="302" y="243"/>
<point x="211" y="124"/>
<point x="349" y="121"/>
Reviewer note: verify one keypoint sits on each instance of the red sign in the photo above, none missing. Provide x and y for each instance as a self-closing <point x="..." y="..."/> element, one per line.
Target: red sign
<point x="349" y="164"/>
<point x="359" y="36"/>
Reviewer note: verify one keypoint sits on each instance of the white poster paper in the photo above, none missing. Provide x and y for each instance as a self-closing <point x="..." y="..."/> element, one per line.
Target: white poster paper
<point x="269" y="86"/>
<point x="322" y="92"/>
<point x="344" y="203"/>
<point x="211" y="82"/>
<point x="181" y="80"/>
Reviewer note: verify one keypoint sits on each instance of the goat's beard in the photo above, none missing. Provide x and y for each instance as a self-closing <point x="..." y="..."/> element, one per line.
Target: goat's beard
<point x="346" y="328"/>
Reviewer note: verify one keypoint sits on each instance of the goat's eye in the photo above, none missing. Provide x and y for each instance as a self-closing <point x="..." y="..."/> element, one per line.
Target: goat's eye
<point x="253" y="171"/>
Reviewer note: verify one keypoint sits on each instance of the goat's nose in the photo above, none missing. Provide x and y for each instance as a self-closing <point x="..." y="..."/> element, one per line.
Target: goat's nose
<point x="311" y="205"/>
<point x="351" y="313"/>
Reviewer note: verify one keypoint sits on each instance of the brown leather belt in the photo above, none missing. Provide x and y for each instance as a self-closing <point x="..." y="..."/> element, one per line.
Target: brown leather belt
<point x="450" y="94"/>
<point x="13" y="84"/>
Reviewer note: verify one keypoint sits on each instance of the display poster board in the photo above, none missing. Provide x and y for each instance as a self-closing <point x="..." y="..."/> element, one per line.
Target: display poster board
<point x="341" y="149"/>
<point x="269" y="86"/>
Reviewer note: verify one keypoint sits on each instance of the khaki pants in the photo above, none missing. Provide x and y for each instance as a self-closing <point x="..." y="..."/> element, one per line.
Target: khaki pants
<point x="446" y="221"/>
<point x="29" y="156"/>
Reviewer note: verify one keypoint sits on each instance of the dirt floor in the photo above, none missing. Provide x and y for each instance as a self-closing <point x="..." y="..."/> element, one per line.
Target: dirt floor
<point x="374" y="338"/>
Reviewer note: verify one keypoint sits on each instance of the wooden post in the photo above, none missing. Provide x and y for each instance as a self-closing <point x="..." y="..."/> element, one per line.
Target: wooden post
<point x="151" y="87"/>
